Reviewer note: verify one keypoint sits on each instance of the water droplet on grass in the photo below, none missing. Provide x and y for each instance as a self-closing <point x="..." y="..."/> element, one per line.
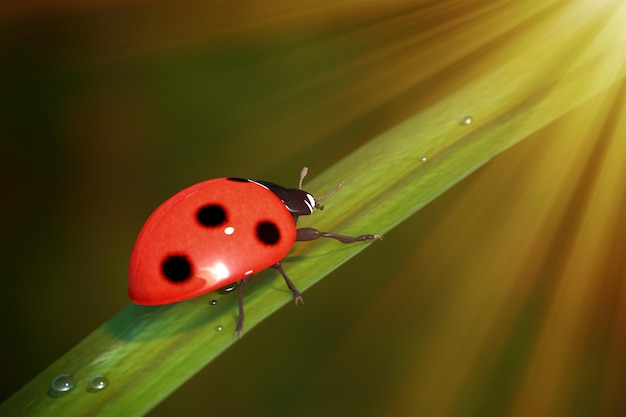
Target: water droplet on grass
<point x="423" y="158"/>
<point x="219" y="328"/>
<point x="97" y="383"/>
<point x="228" y="289"/>
<point x="467" y="120"/>
<point x="62" y="384"/>
<point x="213" y="302"/>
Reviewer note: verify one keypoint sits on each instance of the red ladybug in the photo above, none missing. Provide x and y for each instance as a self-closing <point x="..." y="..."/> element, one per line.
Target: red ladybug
<point x="216" y="232"/>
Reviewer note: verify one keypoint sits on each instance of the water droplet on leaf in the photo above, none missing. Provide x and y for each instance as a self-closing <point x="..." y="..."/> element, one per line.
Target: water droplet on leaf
<point x="467" y="120"/>
<point x="97" y="383"/>
<point x="62" y="384"/>
<point x="228" y="289"/>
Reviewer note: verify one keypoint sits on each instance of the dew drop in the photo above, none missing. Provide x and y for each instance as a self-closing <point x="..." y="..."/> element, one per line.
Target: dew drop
<point x="62" y="384"/>
<point x="423" y="158"/>
<point x="219" y="328"/>
<point x="97" y="383"/>
<point x="467" y="120"/>
<point x="228" y="289"/>
<point x="213" y="302"/>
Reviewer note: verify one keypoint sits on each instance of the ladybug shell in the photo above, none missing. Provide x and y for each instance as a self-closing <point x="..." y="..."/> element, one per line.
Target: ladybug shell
<point x="206" y="237"/>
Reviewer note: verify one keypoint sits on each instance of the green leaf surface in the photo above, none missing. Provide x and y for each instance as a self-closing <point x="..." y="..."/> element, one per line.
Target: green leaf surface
<point x="147" y="352"/>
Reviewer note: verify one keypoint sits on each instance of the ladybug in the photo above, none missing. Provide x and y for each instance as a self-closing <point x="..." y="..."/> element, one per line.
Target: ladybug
<point x="217" y="232"/>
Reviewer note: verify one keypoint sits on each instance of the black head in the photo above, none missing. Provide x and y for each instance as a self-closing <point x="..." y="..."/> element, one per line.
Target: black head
<point x="298" y="201"/>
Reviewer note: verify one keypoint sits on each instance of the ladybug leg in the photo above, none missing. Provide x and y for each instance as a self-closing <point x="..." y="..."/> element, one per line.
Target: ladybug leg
<point x="242" y="283"/>
<point x="292" y="287"/>
<point x="308" y="233"/>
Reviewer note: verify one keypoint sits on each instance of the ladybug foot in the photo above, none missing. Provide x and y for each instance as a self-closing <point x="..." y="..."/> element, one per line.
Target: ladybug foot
<point x="298" y="298"/>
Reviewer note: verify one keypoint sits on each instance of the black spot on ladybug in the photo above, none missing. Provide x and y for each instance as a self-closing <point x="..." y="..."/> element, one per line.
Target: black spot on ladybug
<point x="268" y="233"/>
<point x="176" y="268"/>
<point x="238" y="179"/>
<point x="211" y="215"/>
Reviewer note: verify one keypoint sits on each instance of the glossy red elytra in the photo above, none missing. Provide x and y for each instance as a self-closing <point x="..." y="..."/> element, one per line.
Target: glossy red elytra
<point x="218" y="232"/>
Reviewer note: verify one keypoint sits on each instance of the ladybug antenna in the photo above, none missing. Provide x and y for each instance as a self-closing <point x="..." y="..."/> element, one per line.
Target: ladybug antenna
<point x="324" y="197"/>
<point x="303" y="173"/>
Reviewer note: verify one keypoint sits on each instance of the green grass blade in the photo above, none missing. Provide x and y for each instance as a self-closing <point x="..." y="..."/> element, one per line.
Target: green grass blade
<point x="147" y="352"/>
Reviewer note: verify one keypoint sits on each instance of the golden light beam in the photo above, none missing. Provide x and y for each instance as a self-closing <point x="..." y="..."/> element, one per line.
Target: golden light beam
<point x="532" y="292"/>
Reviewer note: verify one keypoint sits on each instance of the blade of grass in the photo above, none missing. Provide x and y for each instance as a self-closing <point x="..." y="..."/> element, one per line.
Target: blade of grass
<point x="147" y="352"/>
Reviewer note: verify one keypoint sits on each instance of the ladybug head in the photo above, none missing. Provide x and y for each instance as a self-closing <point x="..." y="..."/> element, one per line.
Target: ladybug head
<point x="298" y="201"/>
<point x="312" y="201"/>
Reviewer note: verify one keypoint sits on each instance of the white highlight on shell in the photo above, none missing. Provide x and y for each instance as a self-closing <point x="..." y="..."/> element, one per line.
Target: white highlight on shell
<point x="259" y="184"/>
<point x="229" y="230"/>
<point x="216" y="272"/>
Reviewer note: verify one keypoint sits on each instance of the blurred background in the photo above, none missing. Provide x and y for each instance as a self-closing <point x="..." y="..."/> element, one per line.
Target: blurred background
<point x="503" y="297"/>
